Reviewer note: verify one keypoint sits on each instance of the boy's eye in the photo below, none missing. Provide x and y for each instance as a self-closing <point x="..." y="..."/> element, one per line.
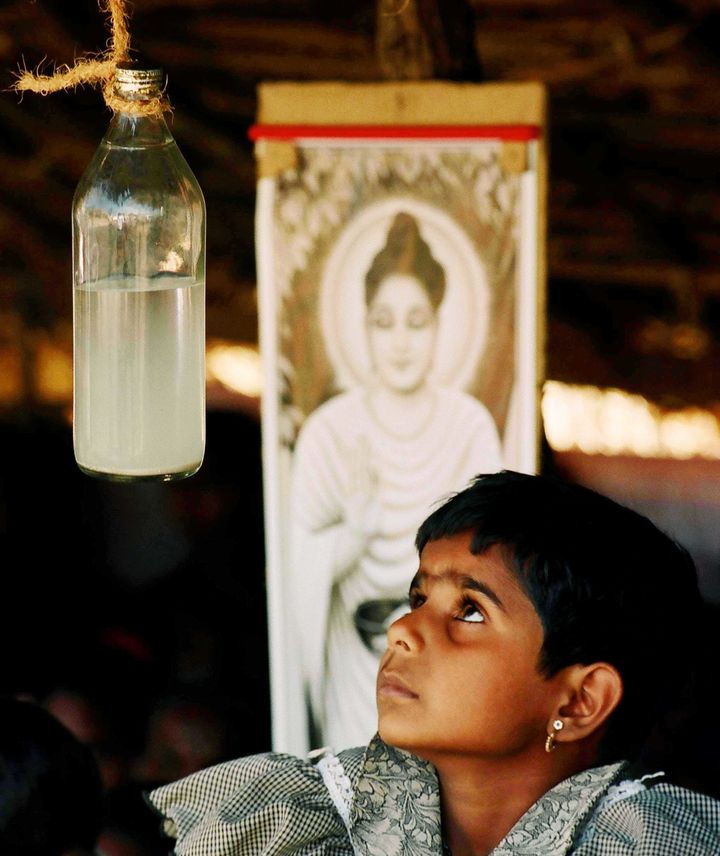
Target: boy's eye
<point x="471" y="613"/>
<point x="416" y="599"/>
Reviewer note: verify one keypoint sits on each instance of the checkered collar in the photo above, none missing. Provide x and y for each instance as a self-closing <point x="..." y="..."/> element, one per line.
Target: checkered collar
<point x="396" y="809"/>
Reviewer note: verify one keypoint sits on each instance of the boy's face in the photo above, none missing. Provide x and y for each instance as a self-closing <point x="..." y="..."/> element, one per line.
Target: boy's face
<point x="460" y="672"/>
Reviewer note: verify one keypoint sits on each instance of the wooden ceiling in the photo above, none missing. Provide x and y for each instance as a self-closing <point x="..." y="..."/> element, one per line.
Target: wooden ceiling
<point x="634" y="199"/>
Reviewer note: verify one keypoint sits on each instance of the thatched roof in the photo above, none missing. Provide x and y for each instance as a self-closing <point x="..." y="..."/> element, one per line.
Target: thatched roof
<point x="634" y="139"/>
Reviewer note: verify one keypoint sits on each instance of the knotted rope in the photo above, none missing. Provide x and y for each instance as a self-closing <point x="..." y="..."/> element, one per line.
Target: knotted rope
<point x="98" y="69"/>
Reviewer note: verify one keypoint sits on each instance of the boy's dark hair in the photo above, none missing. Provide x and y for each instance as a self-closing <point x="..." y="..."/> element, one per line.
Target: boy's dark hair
<point x="607" y="584"/>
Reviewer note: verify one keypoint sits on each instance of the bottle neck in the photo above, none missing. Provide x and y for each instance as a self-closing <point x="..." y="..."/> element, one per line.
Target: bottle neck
<point x="132" y="131"/>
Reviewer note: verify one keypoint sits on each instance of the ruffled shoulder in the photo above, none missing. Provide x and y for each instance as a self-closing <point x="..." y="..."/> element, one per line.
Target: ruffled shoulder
<point x="396" y="807"/>
<point x="659" y="820"/>
<point x="551" y="825"/>
<point x="272" y="803"/>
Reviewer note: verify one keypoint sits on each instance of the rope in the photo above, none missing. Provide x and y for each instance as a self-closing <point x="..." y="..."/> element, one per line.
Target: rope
<point x="98" y="69"/>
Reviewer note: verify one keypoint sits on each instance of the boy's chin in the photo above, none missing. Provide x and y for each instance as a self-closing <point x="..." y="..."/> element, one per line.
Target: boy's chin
<point x="397" y="737"/>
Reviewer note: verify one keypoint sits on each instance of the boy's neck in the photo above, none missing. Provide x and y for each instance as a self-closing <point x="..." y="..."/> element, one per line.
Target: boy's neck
<point x="482" y="801"/>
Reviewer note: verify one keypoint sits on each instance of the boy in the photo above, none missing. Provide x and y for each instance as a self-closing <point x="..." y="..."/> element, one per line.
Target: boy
<point x="549" y="631"/>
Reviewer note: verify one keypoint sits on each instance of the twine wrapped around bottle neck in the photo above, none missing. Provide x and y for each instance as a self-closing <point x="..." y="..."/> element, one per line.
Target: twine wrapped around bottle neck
<point x="99" y="70"/>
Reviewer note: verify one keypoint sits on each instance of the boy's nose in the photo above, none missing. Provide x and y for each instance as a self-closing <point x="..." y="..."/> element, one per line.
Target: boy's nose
<point x="405" y="633"/>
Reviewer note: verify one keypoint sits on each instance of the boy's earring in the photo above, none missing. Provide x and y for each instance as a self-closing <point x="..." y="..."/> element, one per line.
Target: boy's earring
<point x="550" y="741"/>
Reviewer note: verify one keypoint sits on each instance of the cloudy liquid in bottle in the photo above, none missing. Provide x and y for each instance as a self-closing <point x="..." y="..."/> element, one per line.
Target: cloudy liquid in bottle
<point x="138" y="223"/>
<point x="139" y="377"/>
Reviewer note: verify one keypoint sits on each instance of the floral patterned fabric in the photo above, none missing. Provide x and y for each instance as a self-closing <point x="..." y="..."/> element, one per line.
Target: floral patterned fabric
<point x="396" y="806"/>
<point x="279" y="805"/>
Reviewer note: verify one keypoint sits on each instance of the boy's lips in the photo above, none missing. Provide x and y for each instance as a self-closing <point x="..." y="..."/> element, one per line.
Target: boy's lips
<point x="391" y="684"/>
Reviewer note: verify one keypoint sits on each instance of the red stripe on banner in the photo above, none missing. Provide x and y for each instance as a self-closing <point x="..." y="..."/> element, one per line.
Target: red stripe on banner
<point x="388" y="132"/>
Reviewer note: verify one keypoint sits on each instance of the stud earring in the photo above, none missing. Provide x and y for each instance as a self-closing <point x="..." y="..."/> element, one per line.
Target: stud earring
<point x="557" y="725"/>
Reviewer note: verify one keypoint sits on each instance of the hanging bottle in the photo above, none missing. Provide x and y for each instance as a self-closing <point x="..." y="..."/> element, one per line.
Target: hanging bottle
<point x="138" y="223"/>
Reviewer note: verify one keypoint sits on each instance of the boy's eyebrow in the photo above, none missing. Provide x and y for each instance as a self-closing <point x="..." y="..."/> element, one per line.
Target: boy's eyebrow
<point x="463" y="581"/>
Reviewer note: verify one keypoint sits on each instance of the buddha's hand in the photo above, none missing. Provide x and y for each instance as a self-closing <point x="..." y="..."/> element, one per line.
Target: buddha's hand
<point x="361" y="509"/>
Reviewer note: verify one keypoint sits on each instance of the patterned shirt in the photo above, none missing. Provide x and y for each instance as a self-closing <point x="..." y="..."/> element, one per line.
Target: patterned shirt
<point x="381" y="801"/>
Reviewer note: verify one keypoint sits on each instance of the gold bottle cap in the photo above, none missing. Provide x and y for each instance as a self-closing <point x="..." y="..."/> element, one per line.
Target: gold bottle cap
<point x="138" y="83"/>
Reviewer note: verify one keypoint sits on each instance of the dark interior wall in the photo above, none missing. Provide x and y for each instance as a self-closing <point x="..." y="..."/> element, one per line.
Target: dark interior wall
<point x="165" y="580"/>
<point x="680" y="497"/>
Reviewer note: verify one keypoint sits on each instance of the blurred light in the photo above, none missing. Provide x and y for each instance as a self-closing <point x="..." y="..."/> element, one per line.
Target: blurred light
<point x="53" y="370"/>
<point x="581" y="418"/>
<point x="237" y="367"/>
<point x="11" y="359"/>
<point x="612" y="422"/>
<point x="11" y="375"/>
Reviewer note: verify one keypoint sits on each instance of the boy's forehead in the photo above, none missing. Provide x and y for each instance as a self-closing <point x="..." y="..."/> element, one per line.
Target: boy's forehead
<point x="451" y="558"/>
<point x="456" y="549"/>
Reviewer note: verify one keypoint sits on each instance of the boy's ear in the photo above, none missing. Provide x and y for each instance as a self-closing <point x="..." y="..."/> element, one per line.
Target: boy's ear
<point x="593" y="693"/>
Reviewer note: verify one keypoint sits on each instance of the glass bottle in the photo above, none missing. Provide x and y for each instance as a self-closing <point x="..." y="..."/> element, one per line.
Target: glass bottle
<point x="138" y="222"/>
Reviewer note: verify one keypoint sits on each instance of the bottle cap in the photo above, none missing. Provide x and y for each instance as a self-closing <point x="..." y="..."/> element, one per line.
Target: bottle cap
<point x="135" y="83"/>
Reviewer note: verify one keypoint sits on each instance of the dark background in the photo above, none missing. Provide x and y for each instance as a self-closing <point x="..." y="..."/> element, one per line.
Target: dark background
<point x="139" y="595"/>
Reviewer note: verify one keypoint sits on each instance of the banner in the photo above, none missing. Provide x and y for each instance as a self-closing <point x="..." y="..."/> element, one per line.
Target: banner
<point x="400" y="234"/>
